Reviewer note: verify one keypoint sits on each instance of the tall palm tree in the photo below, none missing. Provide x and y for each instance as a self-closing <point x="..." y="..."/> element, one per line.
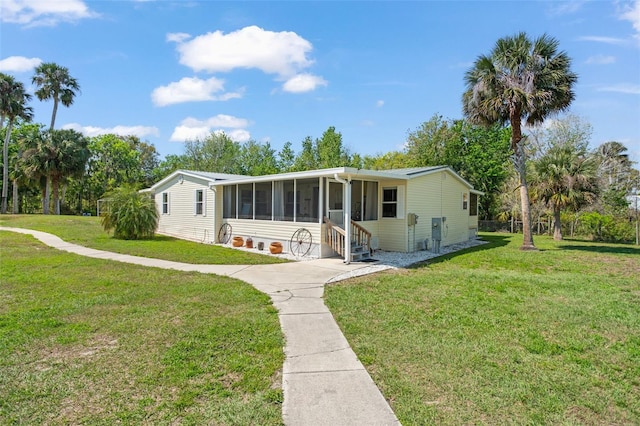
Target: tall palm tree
<point x="54" y="82"/>
<point x="565" y="176"/>
<point x="520" y="80"/>
<point x="13" y="105"/>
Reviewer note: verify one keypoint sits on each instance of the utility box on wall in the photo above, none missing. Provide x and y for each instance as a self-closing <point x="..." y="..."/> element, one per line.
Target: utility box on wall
<point x="412" y="219"/>
<point x="436" y="228"/>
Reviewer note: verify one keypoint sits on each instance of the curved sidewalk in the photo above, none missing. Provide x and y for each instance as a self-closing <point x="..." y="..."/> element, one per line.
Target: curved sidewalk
<point x="323" y="382"/>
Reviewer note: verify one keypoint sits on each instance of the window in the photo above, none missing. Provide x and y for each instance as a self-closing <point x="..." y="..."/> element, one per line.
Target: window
<point x="199" y="204"/>
<point x="389" y="202"/>
<point x="473" y="208"/>
<point x="229" y="202"/>
<point x="165" y="203"/>
<point x="263" y="200"/>
<point x="307" y="200"/>
<point x="464" y="201"/>
<point x="283" y="200"/>
<point x="245" y="193"/>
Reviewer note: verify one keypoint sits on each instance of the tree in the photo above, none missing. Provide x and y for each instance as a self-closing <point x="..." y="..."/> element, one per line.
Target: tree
<point x="132" y="215"/>
<point x="217" y="153"/>
<point x="58" y="155"/>
<point x="565" y="175"/>
<point x="478" y="154"/>
<point x="22" y="185"/>
<point x="330" y="150"/>
<point x="13" y="105"/>
<point x="615" y="172"/>
<point x="258" y="159"/>
<point x="286" y="158"/>
<point x="520" y="80"/>
<point x="54" y="82"/>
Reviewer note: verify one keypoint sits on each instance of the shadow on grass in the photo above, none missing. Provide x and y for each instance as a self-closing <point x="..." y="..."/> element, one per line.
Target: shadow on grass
<point x="493" y="241"/>
<point x="603" y="249"/>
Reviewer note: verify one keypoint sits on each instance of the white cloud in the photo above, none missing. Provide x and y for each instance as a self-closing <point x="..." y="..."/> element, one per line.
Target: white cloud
<point x="380" y="103"/>
<point x="606" y="40"/>
<point x="192" y="129"/>
<point x="191" y="90"/>
<point x="566" y="7"/>
<point x="43" y="12"/>
<point x="303" y="83"/>
<point x="601" y="60"/>
<point x="139" y="131"/>
<point x="19" y="64"/>
<point x="178" y="37"/>
<point x="627" y="88"/>
<point x="283" y="53"/>
<point x="631" y="13"/>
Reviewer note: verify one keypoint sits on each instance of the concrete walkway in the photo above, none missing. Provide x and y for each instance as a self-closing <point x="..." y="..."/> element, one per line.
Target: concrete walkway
<point x="323" y="382"/>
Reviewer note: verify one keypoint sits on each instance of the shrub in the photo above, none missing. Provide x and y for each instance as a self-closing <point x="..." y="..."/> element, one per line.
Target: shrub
<point x="606" y="227"/>
<point x="130" y="214"/>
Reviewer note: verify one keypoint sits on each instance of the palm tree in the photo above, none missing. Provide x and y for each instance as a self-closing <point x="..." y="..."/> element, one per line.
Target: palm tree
<point x="13" y="105"/>
<point x="521" y="80"/>
<point x="54" y="82"/>
<point x="56" y="155"/>
<point x="565" y="176"/>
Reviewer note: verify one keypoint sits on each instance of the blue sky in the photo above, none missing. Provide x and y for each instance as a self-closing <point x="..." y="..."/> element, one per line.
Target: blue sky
<point x="168" y="71"/>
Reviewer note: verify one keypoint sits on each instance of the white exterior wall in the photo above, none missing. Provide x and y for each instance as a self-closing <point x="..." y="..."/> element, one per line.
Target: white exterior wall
<point x="181" y="221"/>
<point x="438" y="195"/>
<point x="269" y="231"/>
<point x="392" y="232"/>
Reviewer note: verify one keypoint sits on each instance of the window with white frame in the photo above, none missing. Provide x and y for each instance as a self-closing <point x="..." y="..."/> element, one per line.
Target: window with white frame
<point x="165" y="203"/>
<point x="199" y="203"/>
<point x="390" y="202"/>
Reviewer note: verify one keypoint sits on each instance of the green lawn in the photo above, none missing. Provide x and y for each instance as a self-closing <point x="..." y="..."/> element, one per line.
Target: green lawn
<point x="88" y="232"/>
<point x="87" y="341"/>
<point x="494" y="335"/>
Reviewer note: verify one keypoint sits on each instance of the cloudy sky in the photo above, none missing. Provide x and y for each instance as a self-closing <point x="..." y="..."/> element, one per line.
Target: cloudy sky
<point x="170" y="71"/>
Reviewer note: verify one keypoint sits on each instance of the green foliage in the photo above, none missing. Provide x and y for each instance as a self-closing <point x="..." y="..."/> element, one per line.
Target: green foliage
<point x="606" y="227"/>
<point x="216" y="153"/>
<point x="130" y="214"/>
<point x="257" y="159"/>
<point x="54" y="82"/>
<point x="479" y="154"/>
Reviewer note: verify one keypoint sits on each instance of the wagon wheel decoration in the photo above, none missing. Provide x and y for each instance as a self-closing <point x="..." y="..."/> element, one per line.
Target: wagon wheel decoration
<point x="300" y="243"/>
<point x="224" y="234"/>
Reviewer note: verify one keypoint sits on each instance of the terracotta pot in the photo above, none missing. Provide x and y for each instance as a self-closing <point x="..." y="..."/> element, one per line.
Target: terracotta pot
<point x="249" y="243"/>
<point x="238" y="242"/>
<point x="275" y="248"/>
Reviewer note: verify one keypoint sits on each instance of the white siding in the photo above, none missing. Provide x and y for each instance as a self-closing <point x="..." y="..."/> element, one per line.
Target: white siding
<point x="181" y="221"/>
<point x="438" y="195"/>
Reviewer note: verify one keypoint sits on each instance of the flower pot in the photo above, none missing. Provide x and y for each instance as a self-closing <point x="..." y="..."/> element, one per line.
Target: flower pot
<point x="238" y="242"/>
<point x="275" y="248"/>
<point x="249" y="243"/>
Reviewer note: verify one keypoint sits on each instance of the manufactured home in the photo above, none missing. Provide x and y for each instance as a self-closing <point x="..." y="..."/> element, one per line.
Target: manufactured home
<point x="341" y="211"/>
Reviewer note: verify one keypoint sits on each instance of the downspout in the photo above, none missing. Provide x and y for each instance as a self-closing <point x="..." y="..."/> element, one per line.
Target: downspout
<point x="347" y="216"/>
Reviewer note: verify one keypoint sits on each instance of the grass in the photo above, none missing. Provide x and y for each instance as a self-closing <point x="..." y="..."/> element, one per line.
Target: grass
<point x="88" y="232"/>
<point x="494" y="335"/>
<point x="87" y="341"/>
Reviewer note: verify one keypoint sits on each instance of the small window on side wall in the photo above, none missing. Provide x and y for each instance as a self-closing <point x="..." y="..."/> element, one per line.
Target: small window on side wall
<point x="390" y="202"/>
<point x="199" y="207"/>
<point x="473" y="205"/>
<point x="464" y="202"/>
<point x="165" y="203"/>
